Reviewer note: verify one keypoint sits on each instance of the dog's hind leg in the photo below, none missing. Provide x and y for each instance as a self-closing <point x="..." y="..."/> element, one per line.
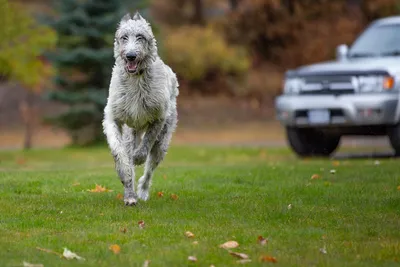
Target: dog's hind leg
<point x="157" y="154"/>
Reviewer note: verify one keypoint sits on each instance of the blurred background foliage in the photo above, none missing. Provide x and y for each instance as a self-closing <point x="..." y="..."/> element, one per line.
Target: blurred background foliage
<point x="236" y="48"/>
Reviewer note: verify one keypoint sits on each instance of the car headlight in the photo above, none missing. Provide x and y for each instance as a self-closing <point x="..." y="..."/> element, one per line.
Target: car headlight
<point x="370" y="84"/>
<point x="292" y="85"/>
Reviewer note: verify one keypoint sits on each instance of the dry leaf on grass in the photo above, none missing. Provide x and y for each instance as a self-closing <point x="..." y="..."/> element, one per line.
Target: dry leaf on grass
<point x="189" y="234"/>
<point x="398" y="188"/>
<point x="239" y="255"/>
<point x="195" y="242"/>
<point x="336" y="163"/>
<point x="115" y="249"/>
<point x="160" y="194"/>
<point x="119" y="196"/>
<point x="268" y="259"/>
<point x="69" y="255"/>
<point x="174" y="196"/>
<point x="27" y="264"/>
<point x="229" y="244"/>
<point x="262" y="241"/>
<point x="76" y="184"/>
<point x="315" y="176"/>
<point x="289" y="207"/>
<point x="99" y="189"/>
<point x="141" y="224"/>
<point x="244" y="261"/>
<point x="146" y="263"/>
<point x="192" y="258"/>
<point x="123" y="230"/>
<point x="332" y="171"/>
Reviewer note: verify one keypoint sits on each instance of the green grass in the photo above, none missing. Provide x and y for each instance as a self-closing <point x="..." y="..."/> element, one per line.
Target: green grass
<point x="224" y="194"/>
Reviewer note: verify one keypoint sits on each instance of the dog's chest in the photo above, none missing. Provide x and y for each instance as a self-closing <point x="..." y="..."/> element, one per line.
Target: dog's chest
<point x="138" y="108"/>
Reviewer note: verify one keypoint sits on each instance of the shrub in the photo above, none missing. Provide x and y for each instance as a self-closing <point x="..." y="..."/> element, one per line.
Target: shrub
<point x="196" y="53"/>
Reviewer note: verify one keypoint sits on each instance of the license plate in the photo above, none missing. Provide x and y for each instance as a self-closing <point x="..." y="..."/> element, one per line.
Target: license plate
<point x="319" y="116"/>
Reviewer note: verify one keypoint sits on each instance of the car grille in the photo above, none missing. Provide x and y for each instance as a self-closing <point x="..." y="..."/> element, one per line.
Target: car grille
<point x="328" y="85"/>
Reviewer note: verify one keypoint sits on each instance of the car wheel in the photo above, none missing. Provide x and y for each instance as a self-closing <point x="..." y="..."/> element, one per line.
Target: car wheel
<point x="394" y="138"/>
<point x="311" y="142"/>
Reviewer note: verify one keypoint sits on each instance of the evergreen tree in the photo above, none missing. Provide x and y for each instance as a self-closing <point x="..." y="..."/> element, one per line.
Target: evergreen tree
<point x="84" y="60"/>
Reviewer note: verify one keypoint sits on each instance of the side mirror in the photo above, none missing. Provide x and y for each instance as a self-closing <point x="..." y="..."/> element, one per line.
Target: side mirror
<point x="342" y="52"/>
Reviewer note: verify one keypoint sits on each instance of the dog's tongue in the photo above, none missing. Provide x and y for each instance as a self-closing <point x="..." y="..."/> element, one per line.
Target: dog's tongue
<point x="132" y="66"/>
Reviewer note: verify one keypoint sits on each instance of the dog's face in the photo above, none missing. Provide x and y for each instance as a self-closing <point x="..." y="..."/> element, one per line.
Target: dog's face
<point x="134" y="43"/>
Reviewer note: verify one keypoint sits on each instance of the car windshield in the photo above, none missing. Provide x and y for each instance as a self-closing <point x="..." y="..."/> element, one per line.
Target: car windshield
<point x="381" y="40"/>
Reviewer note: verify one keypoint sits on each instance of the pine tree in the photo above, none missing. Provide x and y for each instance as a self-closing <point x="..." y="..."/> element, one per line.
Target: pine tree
<point x="84" y="61"/>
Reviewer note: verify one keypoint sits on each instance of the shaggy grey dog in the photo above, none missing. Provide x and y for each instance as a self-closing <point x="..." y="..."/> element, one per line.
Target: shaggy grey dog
<point x="140" y="115"/>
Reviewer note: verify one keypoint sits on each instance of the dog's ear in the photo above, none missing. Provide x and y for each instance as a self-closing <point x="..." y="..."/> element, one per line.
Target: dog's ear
<point x="137" y="16"/>
<point x="126" y="17"/>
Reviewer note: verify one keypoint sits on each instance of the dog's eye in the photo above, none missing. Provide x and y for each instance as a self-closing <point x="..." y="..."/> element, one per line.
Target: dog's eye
<point x="125" y="37"/>
<point x="139" y="37"/>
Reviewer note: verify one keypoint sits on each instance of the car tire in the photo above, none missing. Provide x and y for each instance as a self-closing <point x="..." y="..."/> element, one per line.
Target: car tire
<point x="306" y="142"/>
<point x="394" y="138"/>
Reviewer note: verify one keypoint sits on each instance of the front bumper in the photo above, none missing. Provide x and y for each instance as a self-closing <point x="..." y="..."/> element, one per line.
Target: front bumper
<point x="344" y="110"/>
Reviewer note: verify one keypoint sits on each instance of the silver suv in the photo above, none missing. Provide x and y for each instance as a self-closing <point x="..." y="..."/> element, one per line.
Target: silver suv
<point x="356" y="94"/>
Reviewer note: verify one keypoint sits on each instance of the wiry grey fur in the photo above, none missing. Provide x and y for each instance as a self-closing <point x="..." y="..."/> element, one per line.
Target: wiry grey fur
<point x="140" y="115"/>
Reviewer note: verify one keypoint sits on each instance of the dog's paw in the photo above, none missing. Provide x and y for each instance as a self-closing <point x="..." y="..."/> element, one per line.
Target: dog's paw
<point x="143" y="194"/>
<point x="139" y="156"/>
<point x="143" y="188"/>
<point x="130" y="197"/>
<point x="130" y="201"/>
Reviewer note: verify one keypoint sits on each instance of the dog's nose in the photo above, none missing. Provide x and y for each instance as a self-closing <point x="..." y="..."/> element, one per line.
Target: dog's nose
<point x="131" y="56"/>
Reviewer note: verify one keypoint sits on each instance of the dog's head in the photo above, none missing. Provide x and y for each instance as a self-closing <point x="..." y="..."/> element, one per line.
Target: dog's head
<point x="134" y="45"/>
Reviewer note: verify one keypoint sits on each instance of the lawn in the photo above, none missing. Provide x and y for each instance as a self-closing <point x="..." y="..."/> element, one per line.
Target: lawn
<point x="346" y="217"/>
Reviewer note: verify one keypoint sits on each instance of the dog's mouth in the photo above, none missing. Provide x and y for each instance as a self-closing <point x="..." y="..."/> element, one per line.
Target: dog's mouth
<point x="131" y="66"/>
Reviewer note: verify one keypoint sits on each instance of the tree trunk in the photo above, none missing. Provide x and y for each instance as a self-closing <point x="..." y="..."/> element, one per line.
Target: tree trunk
<point x="28" y="114"/>
<point x="198" y="16"/>
<point x="234" y="4"/>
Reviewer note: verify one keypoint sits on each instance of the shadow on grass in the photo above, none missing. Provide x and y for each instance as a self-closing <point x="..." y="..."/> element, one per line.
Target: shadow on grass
<point x="366" y="155"/>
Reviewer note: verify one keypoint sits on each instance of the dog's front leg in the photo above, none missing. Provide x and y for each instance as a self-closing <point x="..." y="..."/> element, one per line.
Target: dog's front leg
<point x="124" y="169"/>
<point x="149" y="138"/>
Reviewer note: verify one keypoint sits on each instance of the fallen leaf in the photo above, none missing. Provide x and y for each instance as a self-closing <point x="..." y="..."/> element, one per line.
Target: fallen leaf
<point x="21" y="161"/>
<point x="268" y="259"/>
<point x="141" y="224"/>
<point x="189" y="234"/>
<point x="336" y="163"/>
<point x="99" y="189"/>
<point x="332" y="171"/>
<point x="315" y="176"/>
<point x="123" y="230"/>
<point x="262" y="241"/>
<point x="76" y="184"/>
<point x="119" y="196"/>
<point x="174" y="196"/>
<point x="289" y="207"/>
<point x="69" y="255"/>
<point x="192" y="258"/>
<point x="244" y="261"/>
<point x="115" y="249"/>
<point x="398" y="188"/>
<point x="195" y="242"/>
<point x="27" y="264"/>
<point x="323" y="250"/>
<point x="160" y="194"/>
<point x="229" y="244"/>
<point x="146" y="263"/>
<point x="49" y="251"/>
<point x="239" y="255"/>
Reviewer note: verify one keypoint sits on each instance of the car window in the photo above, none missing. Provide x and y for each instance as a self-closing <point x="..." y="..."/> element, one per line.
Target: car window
<point x="377" y="41"/>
